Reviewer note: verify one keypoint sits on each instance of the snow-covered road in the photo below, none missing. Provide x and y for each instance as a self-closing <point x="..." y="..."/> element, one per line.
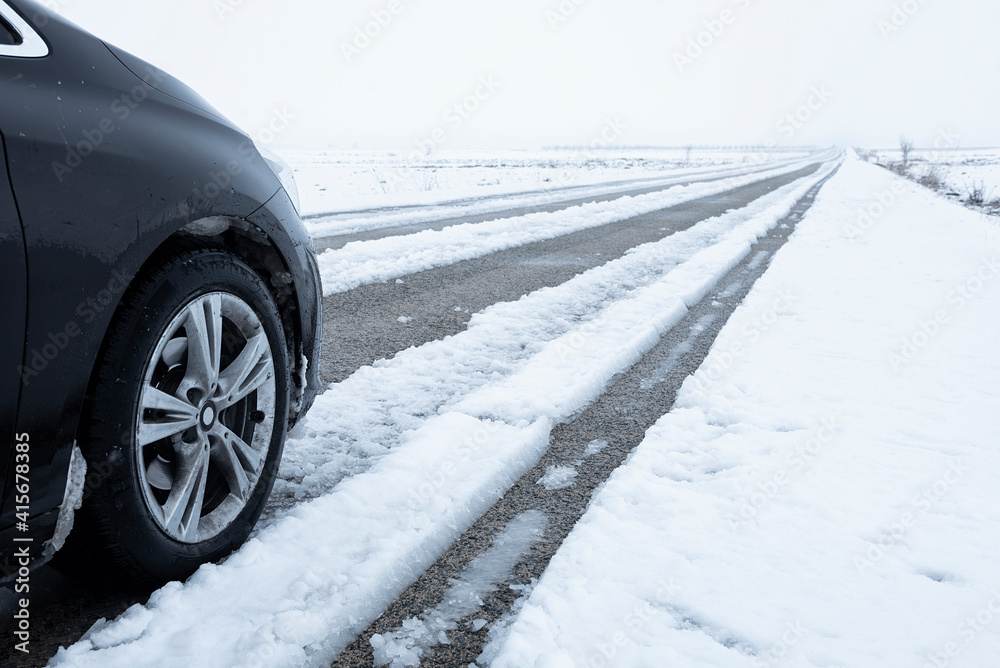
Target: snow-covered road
<point x="406" y="453"/>
<point x="822" y="492"/>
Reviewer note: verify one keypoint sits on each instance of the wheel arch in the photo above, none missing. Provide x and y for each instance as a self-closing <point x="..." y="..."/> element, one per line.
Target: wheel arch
<point x="254" y="246"/>
<point x="251" y="244"/>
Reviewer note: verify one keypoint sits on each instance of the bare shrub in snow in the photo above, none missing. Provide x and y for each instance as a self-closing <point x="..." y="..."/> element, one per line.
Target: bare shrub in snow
<point x="900" y="168"/>
<point x="975" y="193"/>
<point x="933" y="178"/>
<point x="905" y="148"/>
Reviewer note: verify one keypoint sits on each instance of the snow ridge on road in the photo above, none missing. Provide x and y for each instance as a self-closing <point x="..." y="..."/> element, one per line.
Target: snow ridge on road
<point x="329" y="567"/>
<point x="364" y="262"/>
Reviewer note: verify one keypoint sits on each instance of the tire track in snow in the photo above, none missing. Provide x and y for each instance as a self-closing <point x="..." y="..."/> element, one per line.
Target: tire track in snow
<point x="405" y="645"/>
<point x="594" y="444"/>
<point x="364" y="416"/>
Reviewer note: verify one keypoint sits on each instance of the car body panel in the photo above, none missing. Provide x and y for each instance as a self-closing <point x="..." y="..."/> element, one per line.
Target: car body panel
<point x="13" y="304"/>
<point x="132" y="161"/>
<point x="279" y="220"/>
<point x="104" y="167"/>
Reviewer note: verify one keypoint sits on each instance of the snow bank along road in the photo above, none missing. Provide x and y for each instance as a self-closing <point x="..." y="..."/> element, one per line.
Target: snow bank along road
<point x="823" y="493"/>
<point x="456" y="352"/>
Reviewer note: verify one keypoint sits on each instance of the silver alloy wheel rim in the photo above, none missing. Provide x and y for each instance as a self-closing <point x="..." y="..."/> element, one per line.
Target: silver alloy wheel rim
<point x="205" y="417"/>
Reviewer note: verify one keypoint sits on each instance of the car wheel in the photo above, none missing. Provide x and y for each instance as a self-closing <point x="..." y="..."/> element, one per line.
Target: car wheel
<point x="184" y="424"/>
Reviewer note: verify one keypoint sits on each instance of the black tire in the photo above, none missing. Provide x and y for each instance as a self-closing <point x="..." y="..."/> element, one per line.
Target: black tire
<point x="127" y="533"/>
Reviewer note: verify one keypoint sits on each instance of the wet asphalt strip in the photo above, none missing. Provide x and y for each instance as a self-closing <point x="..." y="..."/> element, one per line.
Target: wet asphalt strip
<point x="334" y="242"/>
<point x="361" y="325"/>
<point x="631" y="404"/>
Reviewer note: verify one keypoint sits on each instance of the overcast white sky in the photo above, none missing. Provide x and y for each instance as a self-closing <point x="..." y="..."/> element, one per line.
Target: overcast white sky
<point x="565" y="68"/>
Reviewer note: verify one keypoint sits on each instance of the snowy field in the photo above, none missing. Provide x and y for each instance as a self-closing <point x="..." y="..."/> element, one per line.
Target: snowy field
<point x="960" y="170"/>
<point x="823" y="493"/>
<point x="968" y="169"/>
<point x="332" y="181"/>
